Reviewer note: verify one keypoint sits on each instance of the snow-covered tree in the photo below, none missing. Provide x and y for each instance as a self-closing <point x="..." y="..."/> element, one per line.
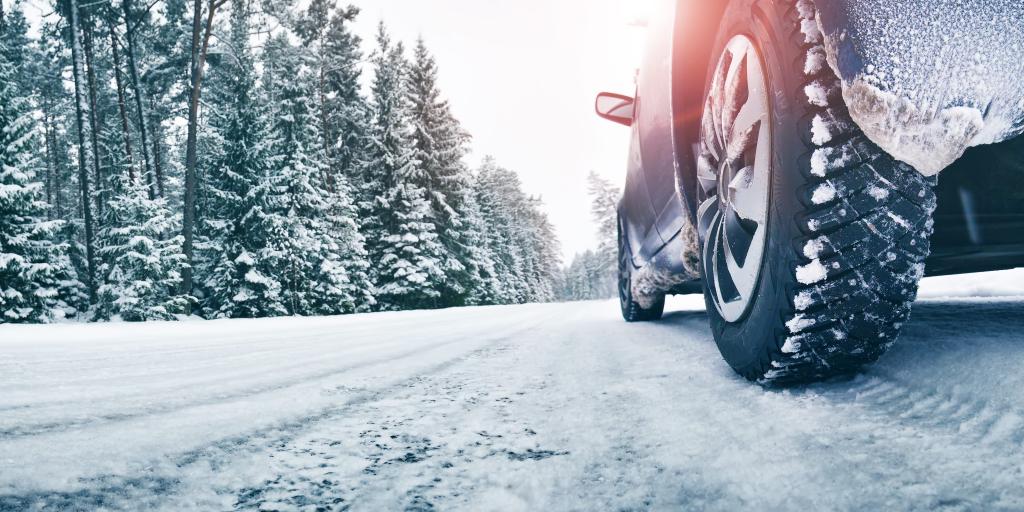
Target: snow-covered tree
<point x="141" y="259"/>
<point x="587" y="279"/>
<point x="406" y="255"/>
<point x="440" y="148"/>
<point x="322" y="254"/>
<point x="241" y="229"/>
<point x="604" y="199"/>
<point x="35" y="270"/>
<point x="519" y="235"/>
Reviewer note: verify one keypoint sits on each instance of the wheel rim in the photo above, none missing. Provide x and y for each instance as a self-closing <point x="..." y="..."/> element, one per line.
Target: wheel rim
<point x="734" y="173"/>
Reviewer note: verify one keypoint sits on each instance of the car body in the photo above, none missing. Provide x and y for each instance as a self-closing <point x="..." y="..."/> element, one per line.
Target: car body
<point x="979" y="222"/>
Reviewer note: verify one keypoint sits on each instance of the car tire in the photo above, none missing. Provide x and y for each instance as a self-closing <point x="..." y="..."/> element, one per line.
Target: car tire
<point x="633" y="311"/>
<point x="845" y="226"/>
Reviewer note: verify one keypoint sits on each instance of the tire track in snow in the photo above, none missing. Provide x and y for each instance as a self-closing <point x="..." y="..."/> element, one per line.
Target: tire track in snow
<point x="160" y="480"/>
<point x="626" y="417"/>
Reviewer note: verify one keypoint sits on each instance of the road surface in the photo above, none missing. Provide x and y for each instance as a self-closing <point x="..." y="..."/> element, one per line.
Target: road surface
<point x="538" y="407"/>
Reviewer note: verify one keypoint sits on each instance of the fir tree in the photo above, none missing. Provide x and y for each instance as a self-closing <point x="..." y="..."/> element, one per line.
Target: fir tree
<point x="322" y="254"/>
<point x="440" y="146"/>
<point x="407" y="257"/>
<point x="520" y="237"/>
<point x="604" y="199"/>
<point x="498" y="195"/>
<point x="34" y="269"/>
<point x="237" y="254"/>
<point x="142" y="261"/>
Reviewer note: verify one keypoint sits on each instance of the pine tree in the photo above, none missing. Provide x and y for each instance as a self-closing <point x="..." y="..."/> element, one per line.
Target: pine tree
<point x="586" y="278"/>
<point x="236" y="257"/>
<point x="322" y="254"/>
<point x="407" y="257"/>
<point x="482" y="284"/>
<point x="520" y="237"/>
<point x="440" y="146"/>
<point x="34" y="269"/>
<point x="142" y="260"/>
<point x="604" y="210"/>
<point x="498" y="193"/>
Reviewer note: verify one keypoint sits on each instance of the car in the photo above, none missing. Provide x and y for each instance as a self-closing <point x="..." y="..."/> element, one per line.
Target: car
<point x="780" y="166"/>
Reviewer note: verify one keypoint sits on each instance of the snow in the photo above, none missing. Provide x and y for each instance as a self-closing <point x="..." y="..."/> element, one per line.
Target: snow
<point x="928" y="79"/>
<point x="813" y="248"/>
<point x="812" y="272"/>
<point x="988" y="285"/>
<point x="537" y="407"/>
<point x="817" y="95"/>
<point x="800" y="323"/>
<point x="926" y="139"/>
<point x="815" y="61"/>
<point x="821" y="132"/>
<point x="819" y="162"/>
<point x="823" y="193"/>
<point x="878" y="193"/>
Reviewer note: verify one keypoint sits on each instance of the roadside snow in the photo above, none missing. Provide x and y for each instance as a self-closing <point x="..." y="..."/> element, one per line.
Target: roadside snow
<point x="988" y="285"/>
<point x="540" y="407"/>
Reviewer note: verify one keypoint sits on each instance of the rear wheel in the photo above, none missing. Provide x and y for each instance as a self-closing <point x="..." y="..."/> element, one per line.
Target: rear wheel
<point x="813" y="239"/>
<point x="632" y="310"/>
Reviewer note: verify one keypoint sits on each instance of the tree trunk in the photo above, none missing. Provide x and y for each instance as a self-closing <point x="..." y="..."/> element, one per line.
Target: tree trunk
<point x="83" y="174"/>
<point x="200" y="45"/>
<point x="48" y="178"/>
<point x="157" y="153"/>
<point x="58" y="172"/>
<point x="328" y="176"/>
<point x="121" y="108"/>
<point x="93" y="128"/>
<point x="137" y="86"/>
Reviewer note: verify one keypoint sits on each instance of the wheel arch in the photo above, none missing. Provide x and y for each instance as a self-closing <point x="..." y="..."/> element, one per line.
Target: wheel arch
<point x="695" y="29"/>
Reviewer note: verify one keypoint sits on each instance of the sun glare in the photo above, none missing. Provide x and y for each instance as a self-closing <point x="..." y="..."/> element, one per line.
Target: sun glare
<point x="637" y="12"/>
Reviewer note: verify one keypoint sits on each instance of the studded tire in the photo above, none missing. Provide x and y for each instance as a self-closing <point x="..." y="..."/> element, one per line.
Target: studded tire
<point x="847" y="225"/>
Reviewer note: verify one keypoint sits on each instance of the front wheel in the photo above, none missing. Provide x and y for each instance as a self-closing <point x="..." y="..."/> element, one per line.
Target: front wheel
<point x="813" y="239"/>
<point x="632" y="309"/>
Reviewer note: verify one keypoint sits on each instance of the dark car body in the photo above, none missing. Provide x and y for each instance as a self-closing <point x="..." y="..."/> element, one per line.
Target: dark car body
<point x="979" y="223"/>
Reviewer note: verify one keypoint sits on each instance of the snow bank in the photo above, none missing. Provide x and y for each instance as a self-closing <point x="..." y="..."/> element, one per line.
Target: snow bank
<point x="927" y="79"/>
<point x="1002" y="284"/>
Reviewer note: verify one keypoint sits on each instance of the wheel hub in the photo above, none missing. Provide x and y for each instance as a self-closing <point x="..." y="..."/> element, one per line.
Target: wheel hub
<point x="734" y="173"/>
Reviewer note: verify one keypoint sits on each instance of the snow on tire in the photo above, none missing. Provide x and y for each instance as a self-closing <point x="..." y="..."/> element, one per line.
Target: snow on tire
<point x="848" y="227"/>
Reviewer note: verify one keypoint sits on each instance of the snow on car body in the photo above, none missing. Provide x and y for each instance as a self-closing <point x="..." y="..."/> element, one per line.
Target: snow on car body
<point x="803" y="219"/>
<point x="927" y="79"/>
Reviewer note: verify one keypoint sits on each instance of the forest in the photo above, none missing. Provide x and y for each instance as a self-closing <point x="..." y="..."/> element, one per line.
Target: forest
<point x="244" y="159"/>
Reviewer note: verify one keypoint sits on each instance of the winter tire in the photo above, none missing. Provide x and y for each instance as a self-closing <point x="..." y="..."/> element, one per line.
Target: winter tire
<point x="813" y="240"/>
<point x="632" y="311"/>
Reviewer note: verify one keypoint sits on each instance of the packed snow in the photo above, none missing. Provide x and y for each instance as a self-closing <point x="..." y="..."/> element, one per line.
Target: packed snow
<point x="812" y="272"/>
<point x="538" y="407"/>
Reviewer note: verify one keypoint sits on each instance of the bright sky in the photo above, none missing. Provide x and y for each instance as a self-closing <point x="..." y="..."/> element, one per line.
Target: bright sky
<point x="521" y="75"/>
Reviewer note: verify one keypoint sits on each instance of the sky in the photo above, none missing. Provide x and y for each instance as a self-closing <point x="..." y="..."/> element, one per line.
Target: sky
<point x="521" y="75"/>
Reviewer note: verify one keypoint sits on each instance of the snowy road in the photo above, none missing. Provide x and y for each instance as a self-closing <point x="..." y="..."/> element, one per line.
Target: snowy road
<point x="547" y="407"/>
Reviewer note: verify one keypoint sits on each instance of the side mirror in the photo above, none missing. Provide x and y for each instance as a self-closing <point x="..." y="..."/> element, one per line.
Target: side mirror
<point x="615" y="107"/>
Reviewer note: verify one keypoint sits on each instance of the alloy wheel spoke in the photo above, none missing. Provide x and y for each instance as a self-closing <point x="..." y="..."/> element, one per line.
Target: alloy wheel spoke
<point x="735" y="94"/>
<point x="707" y="175"/>
<point x="739" y="235"/>
<point x="734" y="174"/>
<point x="747" y="191"/>
<point x="706" y="215"/>
<point x="724" y="282"/>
